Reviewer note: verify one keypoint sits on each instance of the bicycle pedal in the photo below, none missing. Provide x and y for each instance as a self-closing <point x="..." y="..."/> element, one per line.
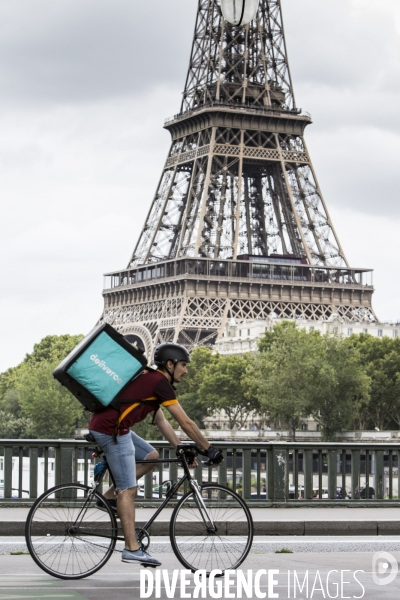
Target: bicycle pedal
<point x="148" y="566"/>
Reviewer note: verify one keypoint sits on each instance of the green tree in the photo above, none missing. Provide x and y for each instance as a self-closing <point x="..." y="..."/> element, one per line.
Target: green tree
<point x="380" y="358"/>
<point x="53" y="411"/>
<point x="384" y="406"/>
<point x="224" y="387"/>
<point x="188" y="391"/>
<point x="13" y="428"/>
<point x="31" y="395"/>
<point x="269" y="337"/>
<point x="284" y="372"/>
<point x="10" y="403"/>
<point x="52" y="348"/>
<point x="7" y="384"/>
<point x="340" y="387"/>
<point x="299" y="373"/>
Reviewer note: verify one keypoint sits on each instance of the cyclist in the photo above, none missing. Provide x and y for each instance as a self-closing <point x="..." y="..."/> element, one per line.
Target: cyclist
<point x="122" y="446"/>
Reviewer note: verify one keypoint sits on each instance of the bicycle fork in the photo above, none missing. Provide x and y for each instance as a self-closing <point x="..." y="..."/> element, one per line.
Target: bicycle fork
<point x="205" y="515"/>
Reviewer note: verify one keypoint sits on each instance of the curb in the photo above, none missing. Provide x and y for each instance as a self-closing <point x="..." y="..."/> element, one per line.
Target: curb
<point x="274" y="528"/>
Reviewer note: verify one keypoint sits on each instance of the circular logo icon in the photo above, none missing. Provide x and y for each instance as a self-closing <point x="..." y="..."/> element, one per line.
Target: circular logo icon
<point x="384" y="568"/>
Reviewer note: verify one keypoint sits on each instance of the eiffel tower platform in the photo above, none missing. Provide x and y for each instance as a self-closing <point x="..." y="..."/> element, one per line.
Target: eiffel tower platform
<point x="190" y="300"/>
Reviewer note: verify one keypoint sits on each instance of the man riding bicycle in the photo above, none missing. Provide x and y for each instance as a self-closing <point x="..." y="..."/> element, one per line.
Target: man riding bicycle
<point x="123" y="447"/>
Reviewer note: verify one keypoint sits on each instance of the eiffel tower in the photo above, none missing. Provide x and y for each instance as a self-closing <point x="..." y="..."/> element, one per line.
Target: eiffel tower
<point x="238" y="227"/>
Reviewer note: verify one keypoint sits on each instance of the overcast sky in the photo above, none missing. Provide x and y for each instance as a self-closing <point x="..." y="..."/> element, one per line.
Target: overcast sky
<point x="85" y="86"/>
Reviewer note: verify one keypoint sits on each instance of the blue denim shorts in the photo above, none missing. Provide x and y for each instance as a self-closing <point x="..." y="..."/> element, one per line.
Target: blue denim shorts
<point x="122" y="456"/>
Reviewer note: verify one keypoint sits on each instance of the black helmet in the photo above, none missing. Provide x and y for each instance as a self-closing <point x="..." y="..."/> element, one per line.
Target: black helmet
<point x="170" y="351"/>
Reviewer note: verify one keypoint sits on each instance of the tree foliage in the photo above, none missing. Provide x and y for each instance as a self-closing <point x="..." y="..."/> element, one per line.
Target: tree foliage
<point x="53" y="411"/>
<point x="380" y="360"/>
<point x="224" y="387"/>
<point x="284" y="372"/>
<point x="299" y="373"/>
<point x="8" y="381"/>
<point x="340" y="387"/>
<point x="188" y="391"/>
<point x="14" y="427"/>
<point x="52" y="348"/>
<point x="343" y="383"/>
<point x="39" y="405"/>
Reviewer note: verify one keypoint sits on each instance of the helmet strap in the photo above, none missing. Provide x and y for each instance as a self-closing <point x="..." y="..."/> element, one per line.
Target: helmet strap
<point x="171" y="374"/>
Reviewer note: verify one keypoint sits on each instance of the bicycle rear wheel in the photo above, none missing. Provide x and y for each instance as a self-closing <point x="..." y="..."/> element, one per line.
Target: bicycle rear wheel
<point x="67" y="534"/>
<point x="197" y="544"/>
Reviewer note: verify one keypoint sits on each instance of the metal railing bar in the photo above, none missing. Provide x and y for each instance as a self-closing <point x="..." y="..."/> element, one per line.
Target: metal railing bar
<point x="307" y="465"/>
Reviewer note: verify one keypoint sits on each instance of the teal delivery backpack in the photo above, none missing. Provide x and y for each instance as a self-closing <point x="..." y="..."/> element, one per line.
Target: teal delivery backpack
<point x="101" y="365"/>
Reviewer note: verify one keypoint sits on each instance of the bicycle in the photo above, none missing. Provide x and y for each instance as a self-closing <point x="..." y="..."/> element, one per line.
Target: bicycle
<point x="71" y="530"/>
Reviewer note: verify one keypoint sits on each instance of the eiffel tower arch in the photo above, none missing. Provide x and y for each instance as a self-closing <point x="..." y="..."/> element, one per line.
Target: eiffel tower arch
<point x="238" y="227"/>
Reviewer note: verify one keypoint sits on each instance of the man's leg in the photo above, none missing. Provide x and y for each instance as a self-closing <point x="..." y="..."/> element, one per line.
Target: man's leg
<point x="126" y="504"/>
<point x="143" y="451"/>
<point x="140" y="471"/>
<point x="121" y="459"/>
<point x="126" y="513"/>
<point x="143" y="469"/>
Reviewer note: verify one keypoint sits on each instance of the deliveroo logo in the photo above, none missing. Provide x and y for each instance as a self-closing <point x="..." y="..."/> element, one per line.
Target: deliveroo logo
<point x="103" y="365"/>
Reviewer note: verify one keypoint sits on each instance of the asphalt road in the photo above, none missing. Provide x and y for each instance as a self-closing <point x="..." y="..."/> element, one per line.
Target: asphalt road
<point x="327" y="574"/>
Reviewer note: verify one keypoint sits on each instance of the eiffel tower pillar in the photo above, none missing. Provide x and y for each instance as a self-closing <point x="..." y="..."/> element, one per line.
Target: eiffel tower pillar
<point x="238" y="227"/>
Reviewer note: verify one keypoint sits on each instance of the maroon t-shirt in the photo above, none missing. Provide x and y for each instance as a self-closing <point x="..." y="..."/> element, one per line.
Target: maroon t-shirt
<point x="150" y="385"/>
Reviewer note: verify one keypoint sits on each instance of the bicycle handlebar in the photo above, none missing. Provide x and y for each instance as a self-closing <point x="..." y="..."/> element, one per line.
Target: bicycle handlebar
<point x="192" y="451"/>
<point x="180" y="449"/>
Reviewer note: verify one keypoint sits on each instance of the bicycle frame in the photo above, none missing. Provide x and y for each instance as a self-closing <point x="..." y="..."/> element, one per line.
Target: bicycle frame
<point x="208" y="522"/>
<point x="194" y="486"/>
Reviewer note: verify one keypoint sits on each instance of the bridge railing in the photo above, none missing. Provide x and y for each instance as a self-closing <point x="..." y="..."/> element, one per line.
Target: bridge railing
<point x="264" y="473"/>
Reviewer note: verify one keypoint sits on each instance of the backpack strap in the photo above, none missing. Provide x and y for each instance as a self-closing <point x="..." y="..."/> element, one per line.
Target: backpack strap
<point x="150" y="402"/>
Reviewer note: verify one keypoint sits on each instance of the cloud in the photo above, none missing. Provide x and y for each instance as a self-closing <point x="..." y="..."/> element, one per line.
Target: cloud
<point x="359" y="168"/>
<point x="72" y="51"/>
<point x="371" y="242"/>
<point x="344" y="57"/>
<point x="76" y="185"/>
<point x="347" y="44"/>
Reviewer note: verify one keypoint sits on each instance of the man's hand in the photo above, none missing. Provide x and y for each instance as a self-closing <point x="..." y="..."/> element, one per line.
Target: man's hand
<point x="191" y="459"/>
<point x="215" y="456"/>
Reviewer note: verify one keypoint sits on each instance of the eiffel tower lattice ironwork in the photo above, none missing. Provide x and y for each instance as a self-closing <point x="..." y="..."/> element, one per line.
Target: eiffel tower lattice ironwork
<point x="238" y="227"/>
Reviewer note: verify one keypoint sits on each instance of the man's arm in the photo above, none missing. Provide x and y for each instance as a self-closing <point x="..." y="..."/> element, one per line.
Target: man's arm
<point x="187" y="425"/>
<point x="166" y="429"/>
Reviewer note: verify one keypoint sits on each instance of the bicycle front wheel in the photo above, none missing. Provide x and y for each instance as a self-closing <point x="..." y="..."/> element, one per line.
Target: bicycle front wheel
<point x="214" y="535"/>
<point x="68" y="535"/>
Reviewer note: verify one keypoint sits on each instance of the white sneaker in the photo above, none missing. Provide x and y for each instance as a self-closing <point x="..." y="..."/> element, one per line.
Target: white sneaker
<point x="140" y="556"/>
